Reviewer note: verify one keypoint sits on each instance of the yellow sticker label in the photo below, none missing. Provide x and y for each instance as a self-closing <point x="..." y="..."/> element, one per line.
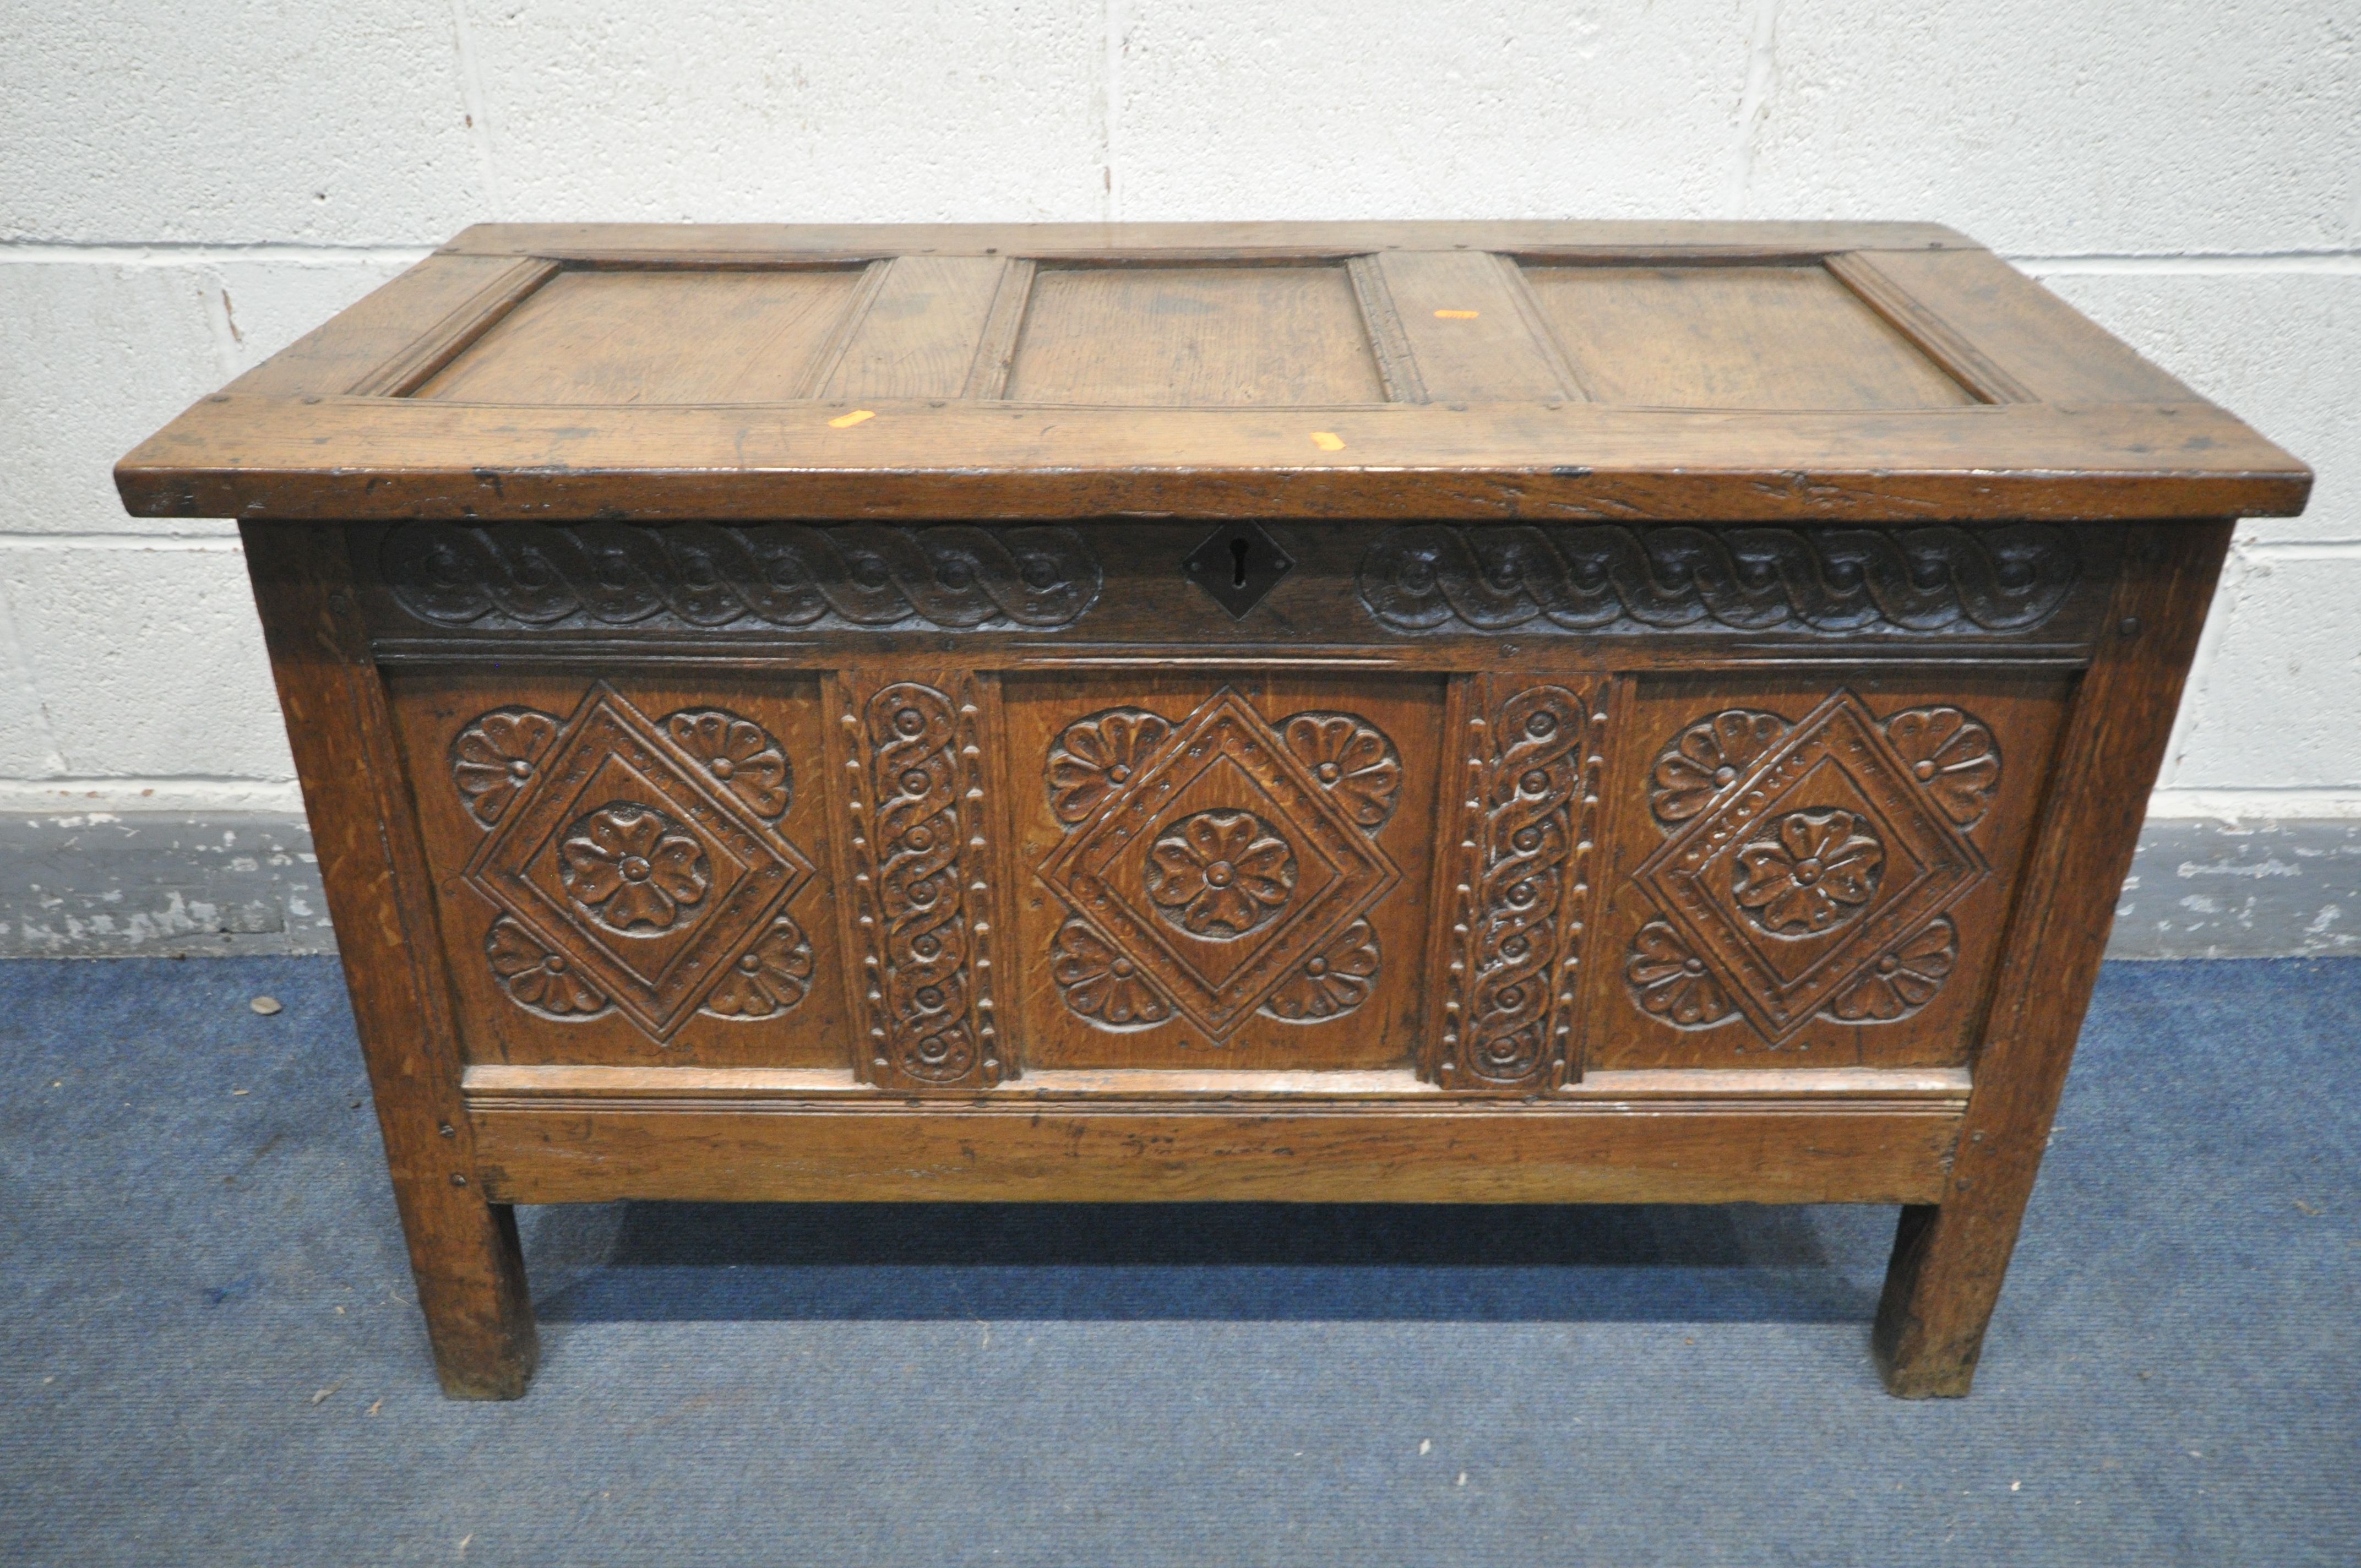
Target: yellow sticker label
<point x="846" y="421"/>
<point x="1456" y="315"/>
<point x="1327" y="441"/>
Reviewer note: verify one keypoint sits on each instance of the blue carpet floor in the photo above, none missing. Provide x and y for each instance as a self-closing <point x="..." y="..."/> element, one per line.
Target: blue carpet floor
<point x="210" y="1355"/>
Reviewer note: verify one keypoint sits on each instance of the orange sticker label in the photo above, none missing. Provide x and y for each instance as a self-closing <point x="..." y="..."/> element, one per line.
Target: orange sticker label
<point x="846" y="421"/>
<point x="1327" y="441"/>
<point x="1456" y="315"/>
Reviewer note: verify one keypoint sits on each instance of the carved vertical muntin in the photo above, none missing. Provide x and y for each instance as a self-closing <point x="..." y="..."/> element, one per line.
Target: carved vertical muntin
<point x="918" y="854"/>
<point x="1516" y="884"/>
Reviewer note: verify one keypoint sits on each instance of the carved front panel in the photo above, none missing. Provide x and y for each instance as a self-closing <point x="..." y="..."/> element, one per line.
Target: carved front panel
<point x="1814" y="874"/>
<point x="628" y="871"/>
<point x="1564" y="817"/>
<point x="1226" y="875"/>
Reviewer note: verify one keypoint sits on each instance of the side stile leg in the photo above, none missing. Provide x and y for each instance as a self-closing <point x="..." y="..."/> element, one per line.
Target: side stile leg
<point x="463" y="1249"/>
<point x="1950" y="1258"/>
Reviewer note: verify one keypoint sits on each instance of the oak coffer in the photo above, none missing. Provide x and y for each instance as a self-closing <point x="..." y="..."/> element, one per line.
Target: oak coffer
<point x="1484" y="712"/>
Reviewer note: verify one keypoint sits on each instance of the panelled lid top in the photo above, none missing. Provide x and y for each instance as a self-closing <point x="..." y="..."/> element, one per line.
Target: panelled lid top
<point x="1877" y="372"/>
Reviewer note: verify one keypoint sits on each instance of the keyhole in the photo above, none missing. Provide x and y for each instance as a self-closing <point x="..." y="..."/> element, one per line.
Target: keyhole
<point x="1256" y="562"/>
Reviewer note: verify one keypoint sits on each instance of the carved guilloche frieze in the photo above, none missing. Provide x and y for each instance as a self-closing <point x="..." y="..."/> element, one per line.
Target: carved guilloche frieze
<point x="586" y="576"/>
<point x="1603" y="576"/>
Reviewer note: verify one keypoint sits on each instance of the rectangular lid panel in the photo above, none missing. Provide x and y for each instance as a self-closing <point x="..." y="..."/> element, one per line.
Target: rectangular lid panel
<point x="706" y="336"/>
<point x="1732" y="338"/>
<point x="1527" y="372"/>
<point x="1194" y="337"/>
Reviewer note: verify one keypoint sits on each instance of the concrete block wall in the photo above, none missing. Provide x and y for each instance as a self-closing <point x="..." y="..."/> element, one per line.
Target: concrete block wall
<point x="184" y="189"/>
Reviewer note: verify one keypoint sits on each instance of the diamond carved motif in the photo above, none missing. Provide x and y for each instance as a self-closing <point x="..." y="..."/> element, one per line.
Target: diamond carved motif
<point x="1820" y="856"/>
<point x="637" y="868"/>
<point x="1215" y="868"/>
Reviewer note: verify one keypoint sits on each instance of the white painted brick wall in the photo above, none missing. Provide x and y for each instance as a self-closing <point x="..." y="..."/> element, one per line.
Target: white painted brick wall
<point x="184" y="189"/>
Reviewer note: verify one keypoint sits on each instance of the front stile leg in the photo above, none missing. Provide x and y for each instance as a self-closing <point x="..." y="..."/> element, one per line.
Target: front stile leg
<point x="470" y="1275"/>
<point x="1949" y="1259"/>
<point x="463" y="1248"/>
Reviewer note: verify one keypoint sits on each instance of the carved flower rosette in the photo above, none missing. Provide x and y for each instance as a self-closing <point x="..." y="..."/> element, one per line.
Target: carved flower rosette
<point x="1903" y="980"/>
<point x="739" y="754"/>
<point x="630" y="868"/>
<point x="1219" y="874"/>
<point x="1101" y="984"/>
<point x="1332" y="983"/>
<point x="1952" y="756"/>
<point x="768" y="979"/>
<point x="1671" y="983"/>
<point x="1810" y="873"/>
<point x="538" y="980"/>
<point x="1353" y="761"/>
<point x="495" y="758"/>
<point x="1098" y="756"/>
<point x="1706" y="760"/>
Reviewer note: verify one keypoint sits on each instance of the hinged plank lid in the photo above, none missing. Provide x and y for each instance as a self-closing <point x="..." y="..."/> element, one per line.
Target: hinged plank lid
<point x="1878" y="372"/>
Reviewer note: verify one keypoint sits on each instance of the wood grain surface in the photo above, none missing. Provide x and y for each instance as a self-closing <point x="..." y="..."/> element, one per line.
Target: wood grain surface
<point x="1608" y="371"/>
<point x="1192" y="337"/>
<point x="1732" y="338"/>
<point x="463" y="1244"/>
<point x="369" y="458"/>
<point x="706" y="1150"/>
<point x="656" y="337"/>
<point x="1950" y="1257"/>
<point x="796" y="714"/>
